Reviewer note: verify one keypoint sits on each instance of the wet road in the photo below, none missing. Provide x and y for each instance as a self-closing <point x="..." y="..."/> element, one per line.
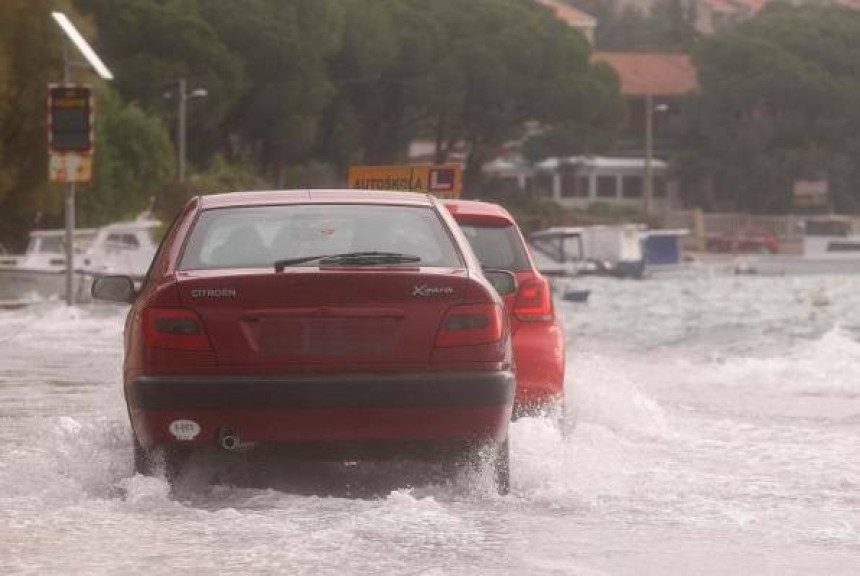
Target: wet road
<point x="717" y="432"/>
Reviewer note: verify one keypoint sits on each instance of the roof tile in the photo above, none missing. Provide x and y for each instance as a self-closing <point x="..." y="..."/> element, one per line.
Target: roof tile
<point x="657" y="74"/>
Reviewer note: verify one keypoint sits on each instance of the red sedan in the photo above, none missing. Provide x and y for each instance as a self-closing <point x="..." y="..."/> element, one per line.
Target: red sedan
<point x="332" y="324"/>
<point x="538" y="336"/>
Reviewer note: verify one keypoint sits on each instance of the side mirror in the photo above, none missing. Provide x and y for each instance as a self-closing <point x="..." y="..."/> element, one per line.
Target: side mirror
<point x="503" y="281"/>
<point x="114" y="289"/>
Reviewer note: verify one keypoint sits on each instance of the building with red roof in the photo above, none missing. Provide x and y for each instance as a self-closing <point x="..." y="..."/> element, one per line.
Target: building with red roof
<point x="664" y="79"/>
<point x="657" y="74"/>
<point x="573" y="17"/>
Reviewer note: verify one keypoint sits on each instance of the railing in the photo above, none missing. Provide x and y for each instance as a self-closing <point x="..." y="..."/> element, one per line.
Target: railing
<point x="787" y="227"/>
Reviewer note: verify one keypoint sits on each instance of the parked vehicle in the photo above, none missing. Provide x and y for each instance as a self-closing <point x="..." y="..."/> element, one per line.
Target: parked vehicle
<point x="538" y="336"/>
<point x="324" y="324"/>
<point x="746" y="243"/>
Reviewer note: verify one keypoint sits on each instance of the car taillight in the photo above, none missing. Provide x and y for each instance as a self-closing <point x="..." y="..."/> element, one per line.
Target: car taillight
<point x="471" y="324"/>
<point x="175" y="329"/>
<point x="534" y="302"/>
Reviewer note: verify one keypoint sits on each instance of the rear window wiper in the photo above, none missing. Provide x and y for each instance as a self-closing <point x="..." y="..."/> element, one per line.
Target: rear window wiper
<point x="353" y="258"/>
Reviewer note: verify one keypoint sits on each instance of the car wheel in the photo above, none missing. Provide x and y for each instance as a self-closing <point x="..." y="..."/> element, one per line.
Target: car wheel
<point x="146" y="462"/>
<point x="142" y="458"/>
<point x="500" y="455"/>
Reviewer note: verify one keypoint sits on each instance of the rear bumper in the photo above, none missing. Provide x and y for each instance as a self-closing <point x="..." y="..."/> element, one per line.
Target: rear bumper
<point x="329" y="409"/>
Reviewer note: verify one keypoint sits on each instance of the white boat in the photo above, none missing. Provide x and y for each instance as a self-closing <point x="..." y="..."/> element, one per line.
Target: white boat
<point x="831" y="245"/>
<point x="610" y="250"/>
<point x="40" y="273"/>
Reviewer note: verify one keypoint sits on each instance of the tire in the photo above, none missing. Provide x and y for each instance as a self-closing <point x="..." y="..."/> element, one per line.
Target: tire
<point x="142" y="458"/>
<point x="501" y="461"/>
<point x="147" y="462"/>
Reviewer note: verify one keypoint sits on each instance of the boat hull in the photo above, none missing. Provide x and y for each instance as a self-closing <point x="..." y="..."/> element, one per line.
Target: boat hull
<point x="22" y="284"/>
<point x="797" y="266"/>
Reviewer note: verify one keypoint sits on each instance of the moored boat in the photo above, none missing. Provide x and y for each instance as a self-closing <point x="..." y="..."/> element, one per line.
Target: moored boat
<point x="831" y="245"/>
<point x="40" y="273"/>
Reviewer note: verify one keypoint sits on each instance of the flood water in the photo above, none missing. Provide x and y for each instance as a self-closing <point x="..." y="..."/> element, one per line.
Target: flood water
<point x="717" y="431"/>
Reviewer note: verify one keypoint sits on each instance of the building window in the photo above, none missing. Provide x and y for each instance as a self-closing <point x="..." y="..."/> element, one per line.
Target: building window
<point x="607" y="187"/>
<point x="631" y="186"/>
<point x="583" y="186"/>
<point x="568" y="183"/>
<point x="541" y="185"/>
<point x="573" y="185"/>
<point x="659" y="187"/>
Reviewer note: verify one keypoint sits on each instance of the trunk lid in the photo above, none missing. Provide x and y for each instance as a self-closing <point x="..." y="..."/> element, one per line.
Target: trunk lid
<point x="328" y="316"/>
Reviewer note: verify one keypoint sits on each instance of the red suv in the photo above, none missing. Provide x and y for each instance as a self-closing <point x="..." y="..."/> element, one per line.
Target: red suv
<point x="538" y="336"/>
<point x="335" y="324"/>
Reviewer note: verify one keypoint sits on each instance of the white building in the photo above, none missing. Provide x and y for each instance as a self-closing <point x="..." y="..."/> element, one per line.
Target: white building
<point x="580" y="181"/>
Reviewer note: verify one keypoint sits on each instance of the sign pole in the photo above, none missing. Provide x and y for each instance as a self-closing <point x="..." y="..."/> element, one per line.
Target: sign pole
<point x="70" y="211"/>
<point x="72" y="156"/>
<point x="70" y="252"/>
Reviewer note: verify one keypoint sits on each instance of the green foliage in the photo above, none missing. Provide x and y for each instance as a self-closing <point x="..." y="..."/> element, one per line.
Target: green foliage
<point x="151" y="44"/>
<point x="283" y="47"/>
<point x="298" y="90"/>
<point x="134" y="158"/>
<point x="668" y="27"/>
<point x="471" y="72"/>
<point x="779" y="104"/>
<point x="221" y="176"/>
<point x="29" y="60"/>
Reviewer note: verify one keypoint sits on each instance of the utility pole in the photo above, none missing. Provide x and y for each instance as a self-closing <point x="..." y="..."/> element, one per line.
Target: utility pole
<point x="650" y="109"/>
<point x="182" y="98"/>
<point x="649" y="154"/>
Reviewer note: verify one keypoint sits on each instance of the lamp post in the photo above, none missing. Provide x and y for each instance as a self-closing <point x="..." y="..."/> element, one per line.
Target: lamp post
<point x="650" y="109"/>
<point x="96" y="63"/>
<point x="182" y="98"/>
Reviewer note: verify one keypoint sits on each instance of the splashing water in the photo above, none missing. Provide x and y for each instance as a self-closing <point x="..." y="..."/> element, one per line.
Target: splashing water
<point x="716" y="430"/>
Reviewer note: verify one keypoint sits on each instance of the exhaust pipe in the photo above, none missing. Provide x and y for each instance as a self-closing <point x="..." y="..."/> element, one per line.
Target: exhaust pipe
<point x="228" y="439"/>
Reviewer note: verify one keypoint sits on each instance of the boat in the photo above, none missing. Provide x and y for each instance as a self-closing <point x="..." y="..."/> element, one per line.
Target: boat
<point x="831" y="245"/>
<point x="664" y="251"/>
<point x="40" y="273"/>
<point x="603" y="250"/>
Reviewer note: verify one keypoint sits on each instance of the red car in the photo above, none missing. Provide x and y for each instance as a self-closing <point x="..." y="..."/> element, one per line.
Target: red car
<point x="330" y="324"/>
<point x="538" y="336"/>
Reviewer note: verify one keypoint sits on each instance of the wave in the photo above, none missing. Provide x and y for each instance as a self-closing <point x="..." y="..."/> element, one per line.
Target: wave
<point x="826" y="366"/>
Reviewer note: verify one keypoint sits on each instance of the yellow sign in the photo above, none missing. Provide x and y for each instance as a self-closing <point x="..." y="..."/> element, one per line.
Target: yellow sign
<point x="70" y="168"/>
<point x="441" y="181"/>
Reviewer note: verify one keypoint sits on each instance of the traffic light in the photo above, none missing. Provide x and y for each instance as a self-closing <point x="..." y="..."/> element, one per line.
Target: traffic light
<point x="70" y="119"/>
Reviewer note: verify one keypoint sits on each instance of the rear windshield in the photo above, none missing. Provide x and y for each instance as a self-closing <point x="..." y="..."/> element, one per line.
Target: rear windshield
<point x="497" y="247"/>
<point x="257" y="237"/>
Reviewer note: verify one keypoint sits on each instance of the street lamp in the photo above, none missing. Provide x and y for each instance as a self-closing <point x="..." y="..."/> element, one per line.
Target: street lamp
<point x="96" y="63"/>
<point x="650" y="109"/>
<point x="183" y="96"/>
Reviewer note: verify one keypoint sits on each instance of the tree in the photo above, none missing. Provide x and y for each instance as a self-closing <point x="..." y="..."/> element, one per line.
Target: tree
<point x="669" y="26"/>
<point x="521" y="64"/>
<point x="473" y="73"/>
<point x="283" y="46"/>
<point x="134" y="159"/>
<point x="151" y="44"/>
<point x="29" y="60"/>
<point x="779" y="104"/>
